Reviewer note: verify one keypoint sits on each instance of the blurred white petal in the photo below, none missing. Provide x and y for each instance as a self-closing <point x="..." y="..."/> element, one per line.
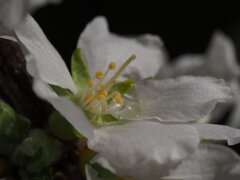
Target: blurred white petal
<point x="221" y="58"/>
<point x="219" y="61"/>
<point x="12" y="12"/>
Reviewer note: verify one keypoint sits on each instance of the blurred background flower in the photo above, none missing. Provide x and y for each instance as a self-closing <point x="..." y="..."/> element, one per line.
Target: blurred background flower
<point x="12" y="12"/>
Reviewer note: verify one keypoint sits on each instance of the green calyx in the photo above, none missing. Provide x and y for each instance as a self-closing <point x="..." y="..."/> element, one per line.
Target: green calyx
<point x="80" y="73"/>
<point x="61" y="128"/>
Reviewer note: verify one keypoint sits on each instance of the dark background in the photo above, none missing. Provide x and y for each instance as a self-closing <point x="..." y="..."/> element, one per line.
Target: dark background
<point x="183" y="28"/>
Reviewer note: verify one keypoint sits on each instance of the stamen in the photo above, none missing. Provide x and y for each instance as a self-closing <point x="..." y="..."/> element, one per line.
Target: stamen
<point x="99" y="75"/>
<point x="91" y="83"/>
<point x="104" y="93"/>
<point x="112" y="66"/>
<point x="102" y="86"/>
<point x="101" y="97"/>
<point x="87" y="98"/>
<point x="116" y="94"/>
<point x="92" y="107"/>
<point x="117" y="97"/>
<point x="118" y="100"/>
<point x="89" y="102"/>
<point x="96" y="97"/>
<point x="115" y="76"/>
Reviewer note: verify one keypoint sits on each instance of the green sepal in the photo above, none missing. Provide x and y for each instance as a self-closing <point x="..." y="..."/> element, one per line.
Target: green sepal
<point x="80" y="73"/>
<point x="60" y="127"/>
<point x="60" y="91"/>
<point x="13" y="128"/>
<point x="104" y="173"/>
<point x="37" y="152"/>
<point x="122" y="87"/>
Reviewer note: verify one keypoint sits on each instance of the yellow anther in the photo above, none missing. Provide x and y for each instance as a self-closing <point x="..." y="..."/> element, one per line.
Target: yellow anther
<point x="118" y="99"/>
<point x="112" y="66"/>
<point x="117" y="94"/>
<point x="104" y="93"/>
<point x="102" y="86"/>
<point x="92" y="107"/>
<point x="91" y="83"/>
<point x="87" y="98"/>
<point x="101" y="97"/>
<point x="99" y="75"/>
<point x="93" y="99"/>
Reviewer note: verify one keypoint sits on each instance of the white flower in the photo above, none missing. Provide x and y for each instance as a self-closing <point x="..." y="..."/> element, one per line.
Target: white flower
<point x="209" y="162"/>
<point x="12" y="12"/>
<point x="153" y="143"/>
<point x="219" y="61"/>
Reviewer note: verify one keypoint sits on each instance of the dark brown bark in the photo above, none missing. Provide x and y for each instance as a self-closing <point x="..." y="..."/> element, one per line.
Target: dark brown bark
<point x="16" y="84"/>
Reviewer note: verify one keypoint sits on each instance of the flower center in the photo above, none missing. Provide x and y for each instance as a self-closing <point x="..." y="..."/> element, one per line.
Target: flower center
<point x="96" y="96"/>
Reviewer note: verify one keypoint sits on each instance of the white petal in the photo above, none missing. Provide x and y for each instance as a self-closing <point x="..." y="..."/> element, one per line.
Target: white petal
<point x="144" y="150"/>
<point x="218" y="132"/>
<point x="99" y="47"/>
<point x="180" y="100"/>
<point x="12" y="12"/>
<point x="210" y="162"/>
<point x="221" y="58"/>
<point x="67" y="108"/>
<point x="51" y="67"/>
